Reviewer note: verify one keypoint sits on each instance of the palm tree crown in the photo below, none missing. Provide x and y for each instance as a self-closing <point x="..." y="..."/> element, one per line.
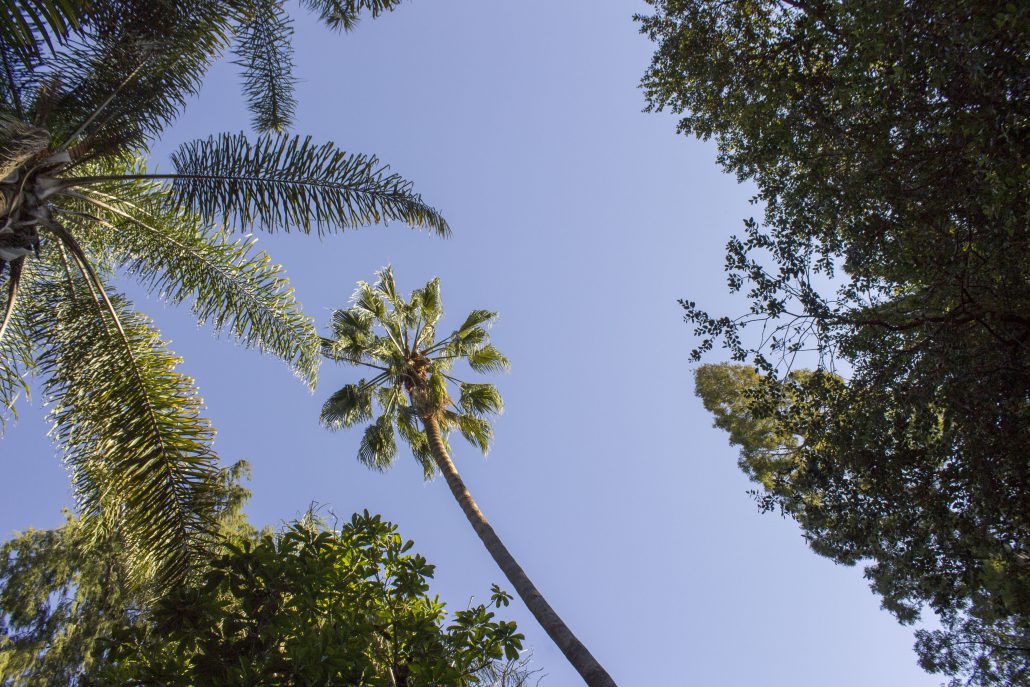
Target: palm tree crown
<point x="412" y="372"/>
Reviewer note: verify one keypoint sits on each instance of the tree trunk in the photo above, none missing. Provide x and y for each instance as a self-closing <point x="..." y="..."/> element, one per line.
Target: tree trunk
<point x="578" y="655"/>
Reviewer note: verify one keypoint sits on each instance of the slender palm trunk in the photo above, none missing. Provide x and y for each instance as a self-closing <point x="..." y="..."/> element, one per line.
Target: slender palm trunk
<point x="578" y="655"/>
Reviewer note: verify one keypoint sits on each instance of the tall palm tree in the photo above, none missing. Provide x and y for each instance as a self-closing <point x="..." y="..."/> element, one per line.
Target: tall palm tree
<point x="410" y="385"/>
<point x="78" y="204"/>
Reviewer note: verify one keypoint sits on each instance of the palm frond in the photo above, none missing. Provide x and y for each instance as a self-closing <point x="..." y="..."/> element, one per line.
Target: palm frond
<point x="476" y="430"/>
<point x="475" y="321"/>
<point x="348" y="406"/>
<point x="170" y="42"/>
<point x="128" y="423"/>
<point x="264" y="50"/>
<point x="417" y="441"/>
<point x="28" y="25"/>
<point x="282" y="182"/>
<point x="232" y="286"/>
<point x="378" y="447"/>
<point x="488" y="359"/>
<point x="480" y="399"/>
<point x="16" y="352"/>
<point x="343" y="15"/>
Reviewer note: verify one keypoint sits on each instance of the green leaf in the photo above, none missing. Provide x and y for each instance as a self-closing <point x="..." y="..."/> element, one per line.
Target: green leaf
<point x="480" y="399"/>
<point x="343" y="15"/>
<point x="232" y="286"/>
<point x="476" y="430"/>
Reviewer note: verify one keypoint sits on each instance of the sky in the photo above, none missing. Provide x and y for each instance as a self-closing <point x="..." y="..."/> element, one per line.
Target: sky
<point x="581" y="220"/>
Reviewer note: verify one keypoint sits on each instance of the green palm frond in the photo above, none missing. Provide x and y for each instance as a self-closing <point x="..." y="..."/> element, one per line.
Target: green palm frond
<point x="27" y="25"/>
<point x="348" y="406"/>
<point x="397" y="337"/>
<point x="264" y="50"/>
<point x="487" y="358"/>
<point x="415" y="437"/>
<point x="378" y="447"/>
<point x="16" y="352"/>
<point x="480" y="399"/>
<point x="282" y="182"/>
<point x="232" y="286"/>
<point x="343" y="15"/>
<point x="476" y="430"/>
<point x="128" y="423"/>
<point x="151" y="53"/>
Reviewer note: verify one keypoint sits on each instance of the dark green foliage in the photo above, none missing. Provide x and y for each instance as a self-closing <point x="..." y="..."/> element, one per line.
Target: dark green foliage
<point x="265" y="51"/>
<point x="904" y="508"/>
<point x="27" y="25"/>
<point x="63" y="591"/>
<point x="279" y="182"/>
<point x="343" y="15"/>
<point x="889" y="145"/>
<point x="313" y="606"/>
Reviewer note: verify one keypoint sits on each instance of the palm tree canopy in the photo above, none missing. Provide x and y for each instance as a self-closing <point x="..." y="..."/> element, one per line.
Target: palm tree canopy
<point x="78" y="204"/>
<point x="412" y="372"/>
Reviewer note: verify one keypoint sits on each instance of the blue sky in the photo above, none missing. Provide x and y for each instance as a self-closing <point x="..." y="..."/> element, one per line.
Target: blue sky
<point x="581" y="220"/>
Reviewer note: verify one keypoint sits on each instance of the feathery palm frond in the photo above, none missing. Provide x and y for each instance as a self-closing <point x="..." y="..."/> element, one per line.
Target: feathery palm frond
<point x="131" y="71"/>
<point x="129" y="425"/>
<point x="396" y="338"/>
<point x="27" y="25"/>
<point x="232" y="286"/>
<point x="16" y="352"/>
<point x="343" y="15"/>
<point x="283" y="182"/>
<point x="264" y="50"/>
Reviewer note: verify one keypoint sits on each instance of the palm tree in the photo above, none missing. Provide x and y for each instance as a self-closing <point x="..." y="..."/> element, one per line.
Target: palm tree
<point x="410" y="385"/>
<point x="261" y="32"/>
<point x="78" y="205"/>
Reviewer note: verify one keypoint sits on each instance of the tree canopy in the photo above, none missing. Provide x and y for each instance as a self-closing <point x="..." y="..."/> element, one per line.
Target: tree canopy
<point x="314" y="606"/>
<point x="306" y="605"/>
<point x="888" y="142"/>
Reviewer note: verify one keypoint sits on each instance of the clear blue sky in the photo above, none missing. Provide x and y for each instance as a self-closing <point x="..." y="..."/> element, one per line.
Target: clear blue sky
<point x="581" y="220"/>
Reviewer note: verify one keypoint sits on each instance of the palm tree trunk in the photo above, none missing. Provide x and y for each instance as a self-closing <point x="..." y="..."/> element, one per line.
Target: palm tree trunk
<point x="578" y="655"/>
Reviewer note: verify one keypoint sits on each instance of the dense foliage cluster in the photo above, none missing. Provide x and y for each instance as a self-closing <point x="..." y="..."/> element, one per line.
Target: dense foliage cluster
<point x="312" y="606"/>
<point x="889" y="144"/>
<point x="305" y="606"/>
